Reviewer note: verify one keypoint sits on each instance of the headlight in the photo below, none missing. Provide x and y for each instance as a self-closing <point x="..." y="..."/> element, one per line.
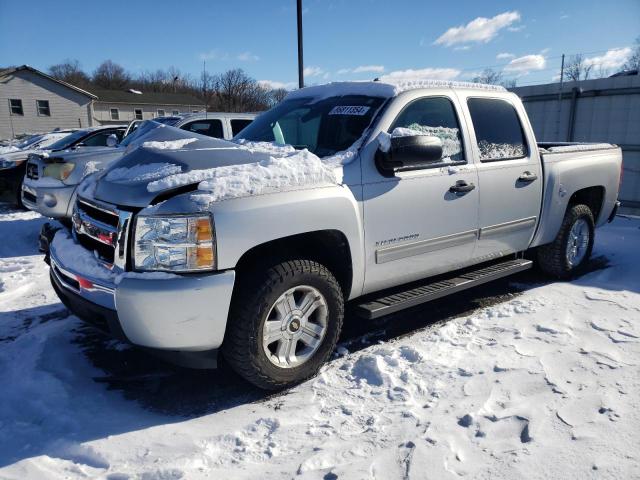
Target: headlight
<point x="174" y="244"/>
<point x="59" y="171"/>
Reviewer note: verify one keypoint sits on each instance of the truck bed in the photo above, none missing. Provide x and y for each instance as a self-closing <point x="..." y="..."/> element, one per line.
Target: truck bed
<point x="569" y="147"/>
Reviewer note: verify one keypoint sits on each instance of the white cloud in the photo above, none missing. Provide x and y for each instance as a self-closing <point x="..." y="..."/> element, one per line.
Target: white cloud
<point x="362" y="69"/>
<point x="313" y="71"/>
<point x="215" y="54"/>
<point x="424" y="73"/>
<point x="480" y="30"/>
<point x="613" y="59"/>
<point x="369" y="69"/>
<point x="271" y="84"/>
<point x="505" y="56"/>
<point x="248" y="57"/>
<point x="524" y="65"/>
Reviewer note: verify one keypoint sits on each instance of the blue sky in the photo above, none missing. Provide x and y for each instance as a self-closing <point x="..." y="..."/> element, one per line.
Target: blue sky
<point x="344" y="39"/>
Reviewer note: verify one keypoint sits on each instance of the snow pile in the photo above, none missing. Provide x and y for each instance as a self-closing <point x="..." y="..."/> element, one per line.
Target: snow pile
<point x="169" y="144"/>
<point x="582" y="147"/>
<point x="145" y="172"/>
<point x="280" y="168"/>
<point x="9" y="149"/>
<point x="279" y="173"/>
<point x="489" y="150"/>
<point x="80" y="260"/>
<point x="387" y="87"/>
<point x="541" y="382"/>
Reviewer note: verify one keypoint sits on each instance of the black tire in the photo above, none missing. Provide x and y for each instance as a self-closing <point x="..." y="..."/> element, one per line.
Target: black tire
<point x="252" y="301"/>
<point x="552" y="258"/>
<point x="18" y="197"/>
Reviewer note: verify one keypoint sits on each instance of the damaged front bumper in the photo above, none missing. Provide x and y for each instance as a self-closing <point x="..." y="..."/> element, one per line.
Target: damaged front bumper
<point x="181" y="314"/>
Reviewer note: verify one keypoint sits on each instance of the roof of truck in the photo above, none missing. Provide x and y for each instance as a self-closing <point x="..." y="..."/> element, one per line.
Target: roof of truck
<point x="386" y="87"/>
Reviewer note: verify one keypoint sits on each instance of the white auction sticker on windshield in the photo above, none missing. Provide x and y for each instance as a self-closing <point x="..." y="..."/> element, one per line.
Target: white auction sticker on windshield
<point x="349" y="110"/>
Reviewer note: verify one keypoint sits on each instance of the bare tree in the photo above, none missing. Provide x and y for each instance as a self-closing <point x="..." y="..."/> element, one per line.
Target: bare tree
<point x="492" y="77"/>
<point x="633" y="62"/>
<point x="70" y="71"/>
<point x="110" y="75"/>
<point x="277" y="95"/>
<point x="577" y="68"/>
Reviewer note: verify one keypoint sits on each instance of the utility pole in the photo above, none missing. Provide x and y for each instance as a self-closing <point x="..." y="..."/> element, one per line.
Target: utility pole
<point x="300" y="56"/>
<point x="560" y="100"/>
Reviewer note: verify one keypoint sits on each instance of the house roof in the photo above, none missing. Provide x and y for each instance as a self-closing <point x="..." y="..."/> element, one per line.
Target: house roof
<point x="155" y="98"/>
<point x="8" y="71"/>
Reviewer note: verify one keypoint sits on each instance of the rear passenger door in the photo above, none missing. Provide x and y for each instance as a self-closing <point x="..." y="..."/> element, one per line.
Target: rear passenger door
<point x="211" y="127"/>
<point x="509" y="175"/>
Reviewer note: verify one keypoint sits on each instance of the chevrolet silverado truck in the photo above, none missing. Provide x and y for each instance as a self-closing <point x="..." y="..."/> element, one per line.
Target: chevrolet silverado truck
<point x="378" y="195"/>
<point x="51" y="182"/>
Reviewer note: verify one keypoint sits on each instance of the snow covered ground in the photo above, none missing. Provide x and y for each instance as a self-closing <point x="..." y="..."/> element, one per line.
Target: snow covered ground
<point x="524" y="378"/>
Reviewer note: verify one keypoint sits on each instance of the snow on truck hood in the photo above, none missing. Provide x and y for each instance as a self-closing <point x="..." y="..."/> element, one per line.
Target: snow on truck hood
<point x="170" y="158"/>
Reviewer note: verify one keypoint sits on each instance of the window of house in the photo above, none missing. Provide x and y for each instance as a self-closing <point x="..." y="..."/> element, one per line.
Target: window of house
<point x="210" y="128"/>
<point x="175" y="112"/>
<point x="238" y="124"/>
<point x="498" y="130"/>
<point x="160" y="112"/>
<point x="15" y="105"/>
<point x="43" y="108"/>
<point x="138" y="113"/>
<point x="115" y="114"/>
<point x="434" y="116"/>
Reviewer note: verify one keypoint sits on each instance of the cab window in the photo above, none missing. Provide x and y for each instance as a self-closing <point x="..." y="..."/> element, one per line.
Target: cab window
<point x="434" y="116"/>
<point x="210" y="128"/>
<point x="498" y="129"/>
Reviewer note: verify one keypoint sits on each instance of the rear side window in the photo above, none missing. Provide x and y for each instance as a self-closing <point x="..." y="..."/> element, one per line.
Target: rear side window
<point x="210" y="128"/>
<point x="498" y="129"/>
<point x="434" y="116"/>
<point x="238" y="124"/>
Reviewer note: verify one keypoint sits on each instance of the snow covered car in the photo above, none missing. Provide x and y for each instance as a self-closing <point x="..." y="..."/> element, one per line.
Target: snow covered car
<point x="54" y="196"/>
<point x="13" y="158"/>
<point x="385" y="195"/>
<point x="45" y="169"/>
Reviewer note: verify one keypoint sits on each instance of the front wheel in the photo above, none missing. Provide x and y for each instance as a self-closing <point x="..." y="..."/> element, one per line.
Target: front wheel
<point x="284" y="323"/>
<point x="570" y="251"/>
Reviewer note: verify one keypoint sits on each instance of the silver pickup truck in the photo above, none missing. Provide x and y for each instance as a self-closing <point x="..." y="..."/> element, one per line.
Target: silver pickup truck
<point x="381" y="195"/>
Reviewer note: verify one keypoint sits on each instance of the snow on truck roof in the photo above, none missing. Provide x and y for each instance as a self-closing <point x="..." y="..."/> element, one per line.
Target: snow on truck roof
<point x="386" y="88"/>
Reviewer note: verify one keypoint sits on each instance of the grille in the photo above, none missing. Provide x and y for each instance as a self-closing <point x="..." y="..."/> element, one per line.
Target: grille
<point x="98" y="229"/>
<point x="32" y="171"/>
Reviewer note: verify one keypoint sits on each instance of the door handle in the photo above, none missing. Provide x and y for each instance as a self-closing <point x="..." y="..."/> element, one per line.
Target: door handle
<point x="461" y="187"/>
<point x="527" y="177"/>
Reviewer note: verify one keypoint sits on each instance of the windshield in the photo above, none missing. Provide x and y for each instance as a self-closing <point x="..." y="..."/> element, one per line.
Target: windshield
<point x="29" y="141"/>
<point x="68" y="141"/>
<point x="323" y="127"/>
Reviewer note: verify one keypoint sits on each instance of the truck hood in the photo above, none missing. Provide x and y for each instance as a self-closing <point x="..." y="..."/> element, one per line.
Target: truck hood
<point x="167" y="152"/>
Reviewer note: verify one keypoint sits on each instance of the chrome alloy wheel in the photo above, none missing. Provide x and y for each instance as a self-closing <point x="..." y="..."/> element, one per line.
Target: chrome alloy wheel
<point x="295" y="326"/>
<point x="577" y="242"/>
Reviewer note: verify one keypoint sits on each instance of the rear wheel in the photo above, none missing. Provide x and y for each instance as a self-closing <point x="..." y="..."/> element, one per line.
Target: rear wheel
<point x="284" y="323"/>
<point x="570" y="251"/>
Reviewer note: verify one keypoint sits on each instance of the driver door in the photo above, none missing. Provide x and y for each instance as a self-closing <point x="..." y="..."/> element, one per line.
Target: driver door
<point x="415" y="226"/>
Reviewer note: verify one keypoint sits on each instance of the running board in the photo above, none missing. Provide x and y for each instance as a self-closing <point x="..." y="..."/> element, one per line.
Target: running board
<point x="430" y="291"/>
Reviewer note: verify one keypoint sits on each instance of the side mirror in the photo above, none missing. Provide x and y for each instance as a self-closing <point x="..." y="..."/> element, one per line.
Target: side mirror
<point x="112" y="140"/>
<point x="410" y="151"/>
